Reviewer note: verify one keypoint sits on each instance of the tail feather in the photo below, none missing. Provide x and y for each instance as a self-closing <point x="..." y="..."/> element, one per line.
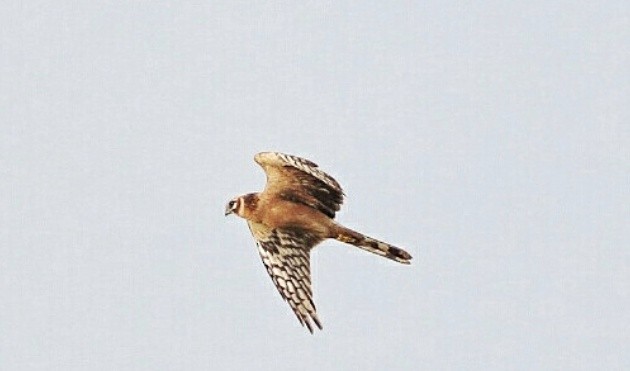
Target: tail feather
<point x="372" y="245"/>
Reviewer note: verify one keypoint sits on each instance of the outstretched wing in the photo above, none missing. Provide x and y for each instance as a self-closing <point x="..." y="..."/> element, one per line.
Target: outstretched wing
<point x="285" y="254"/>
<point x="299" y="180"/>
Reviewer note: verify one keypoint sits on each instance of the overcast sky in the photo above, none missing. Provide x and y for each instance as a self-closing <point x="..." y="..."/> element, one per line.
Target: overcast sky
<point x="491" y="141"/>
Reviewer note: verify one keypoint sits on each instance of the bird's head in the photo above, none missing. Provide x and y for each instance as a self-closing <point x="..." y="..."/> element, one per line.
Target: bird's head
<point x="233" y="205"/>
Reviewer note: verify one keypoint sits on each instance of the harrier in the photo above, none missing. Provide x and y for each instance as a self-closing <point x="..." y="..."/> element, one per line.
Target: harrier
<point x="292" y="215"/>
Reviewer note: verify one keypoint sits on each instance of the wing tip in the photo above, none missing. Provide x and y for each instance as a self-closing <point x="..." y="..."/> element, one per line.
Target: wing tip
<point x="307" y="322"/>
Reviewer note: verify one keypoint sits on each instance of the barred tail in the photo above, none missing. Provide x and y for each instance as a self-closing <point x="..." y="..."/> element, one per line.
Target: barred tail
<point x="366" y="243"/>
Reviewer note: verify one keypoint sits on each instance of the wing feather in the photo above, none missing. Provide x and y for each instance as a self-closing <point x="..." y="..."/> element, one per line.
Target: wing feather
<point x="286" y="256"/>
<point x="299" y="180"/>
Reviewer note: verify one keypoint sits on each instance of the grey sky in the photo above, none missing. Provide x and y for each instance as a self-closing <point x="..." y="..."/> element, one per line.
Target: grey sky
<point x="492" y="141"/>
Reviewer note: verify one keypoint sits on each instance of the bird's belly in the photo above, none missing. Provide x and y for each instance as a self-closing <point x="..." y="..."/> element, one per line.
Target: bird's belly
<point x="292" y="215"/>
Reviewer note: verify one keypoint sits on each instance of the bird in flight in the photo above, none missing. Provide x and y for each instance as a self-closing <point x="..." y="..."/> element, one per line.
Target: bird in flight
<point x="293" y="214"/>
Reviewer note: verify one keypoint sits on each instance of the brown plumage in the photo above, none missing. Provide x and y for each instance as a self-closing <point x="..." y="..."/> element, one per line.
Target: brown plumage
<point x="292" y="215"/>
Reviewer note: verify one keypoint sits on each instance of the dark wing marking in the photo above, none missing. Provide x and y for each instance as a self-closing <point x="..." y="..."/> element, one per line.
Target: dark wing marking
<point x="299" y="180"/>
<point x="286" y="255"/>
